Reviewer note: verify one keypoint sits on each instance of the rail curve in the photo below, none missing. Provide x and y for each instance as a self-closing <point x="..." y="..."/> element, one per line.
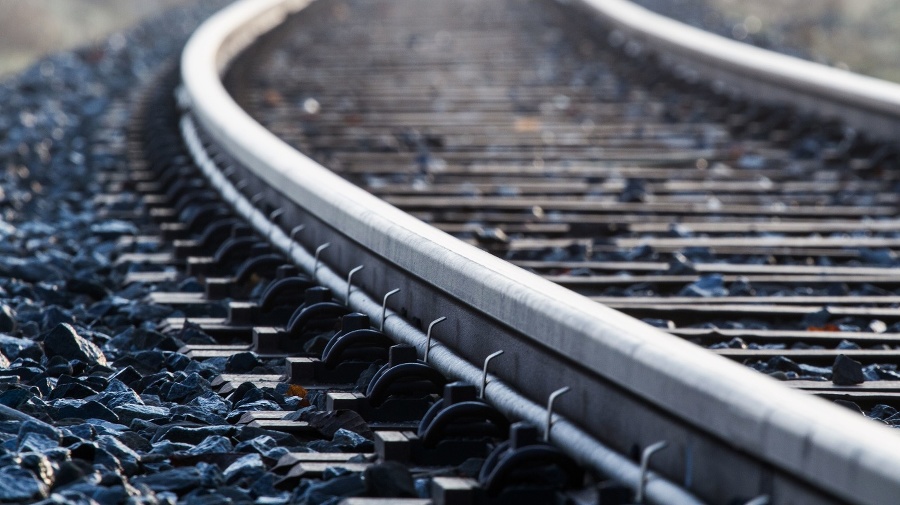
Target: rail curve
<point x="630" y="381"/>
<point x="866" y="103"/>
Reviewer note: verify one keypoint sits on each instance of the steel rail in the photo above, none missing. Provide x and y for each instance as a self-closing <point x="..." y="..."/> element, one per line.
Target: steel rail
<point x="820" y="445"/>
<point x="582" y="447"/>
<point x="867" y="104"/>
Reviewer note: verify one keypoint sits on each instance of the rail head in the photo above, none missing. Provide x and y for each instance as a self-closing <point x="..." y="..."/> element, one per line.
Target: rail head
<point x="865" y="103"/>
<point x="822" y="444"/>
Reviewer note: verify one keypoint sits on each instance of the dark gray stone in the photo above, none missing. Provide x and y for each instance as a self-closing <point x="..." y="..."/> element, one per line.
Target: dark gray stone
<point x="128" y="412"/>
<point x="64" y="341"/>
<point x="783" y="364"/>
<point x="343" y="441"/>
<point x="75" y="390"/>
<point x="212" y="402"/>
<point x="167" y="448"/>
<point x="135" y="442"/>
<point x="177" y="362"/>
<point x="192" y="435"/>
<point x="215" y="444"/>
<point x="191" y="387"/>
<point x="874" y="373"/>
<point x="389" y="480"/>
<point x="38" y="428"/>
<point x="681" y="265"/>
<point x="135" y="339"/>
<point x="55" y="316"/>
<point x="81" y="431"/>
<point x="326" y="491"/>
<point x="129" y="460"/>
<point x="79" y="409"/>
<point x="19" y="485"/>
<point x="108" y="460"/>
<point x="12" y="346"/>
<point x="263" y="444"/>
<point x="39" y="465"/>
<point x="83" y="450"/>
<point x="244" y="433"/>
<point x="25" y="373"/>
<point x="113" y="229"/>
<point x="104" y="427"/>
<point x="329" y="422"/>
<point x="246" y="392"/>
<point x="151" y="380"/>
<point x="879" y="257"/>
<point x="117" y="393"/>
<point x="87" y="286"/>
<point x="706" y="287"/>
<point x="35" y="442"/>
<point x="255" y="406"/>
<point x="127" y="375"/>
<point x="242" y="362"/>
<point x="15" y="398"/>
<point x="58" y="366"/>
<point x="887" y="375"/>
<point x="814" y="371"/>
<point x="882" y="411"/>
<point x="846" y="371"/>
<point x="71" y="471"/>
<point x="179" y="480"/>
<point x="33" y="270"/>
<point x="251" y="464"/>
<point x="817" y="319"/>
<point x="7" y="319"/>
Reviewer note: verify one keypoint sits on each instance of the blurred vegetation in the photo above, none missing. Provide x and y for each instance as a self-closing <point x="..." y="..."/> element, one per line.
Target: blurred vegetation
<point x="32" y="28"/>
<point x="857" y="34"/>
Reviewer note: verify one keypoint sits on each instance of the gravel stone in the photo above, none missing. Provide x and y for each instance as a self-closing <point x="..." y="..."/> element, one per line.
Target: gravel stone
<point x="19" y="485"/>
<point x="242" y="362"/>
<point x="128" y="458"/>
<point x="847" y="372"/>
<point x="190" y="435"/>
<point x="64" y="341"/>
<point x="130" y="411"/>
<point x="187" y="389"/>
<point x="215" y="444"/>
<point x="317" y="493"/>
<point x="127" y="375"/>
<point x="78" y="409"/>
<point x="54" y="316"/>
<point x="179" y="480"/>
<point x="12" y="346"/>
<point x="7" y="319"/>
<point x="212" y="402"/>
<point x="389" y="480"/>
<point x="251" y="464"/>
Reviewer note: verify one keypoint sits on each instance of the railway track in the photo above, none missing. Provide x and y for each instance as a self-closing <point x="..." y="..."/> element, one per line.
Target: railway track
<point x="708" y="215"/>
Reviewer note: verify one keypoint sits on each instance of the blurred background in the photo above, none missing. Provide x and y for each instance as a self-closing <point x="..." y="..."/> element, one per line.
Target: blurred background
<point x="856" y="34"/>
<point x="32" y="28"/>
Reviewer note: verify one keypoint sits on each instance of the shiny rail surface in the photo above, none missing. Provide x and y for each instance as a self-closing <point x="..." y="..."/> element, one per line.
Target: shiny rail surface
<point x="869" y="104"/>
<point x="634" y="384"/>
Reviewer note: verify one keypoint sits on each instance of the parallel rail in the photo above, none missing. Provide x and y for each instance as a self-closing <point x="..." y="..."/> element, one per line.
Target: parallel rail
<point x="634" y="385"/>
<point x="866" y="103"/>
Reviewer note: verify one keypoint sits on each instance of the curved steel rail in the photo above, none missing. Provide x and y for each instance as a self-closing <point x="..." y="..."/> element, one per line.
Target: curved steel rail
<point x="819" y="445"/>
<point x="865" y="103"/>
